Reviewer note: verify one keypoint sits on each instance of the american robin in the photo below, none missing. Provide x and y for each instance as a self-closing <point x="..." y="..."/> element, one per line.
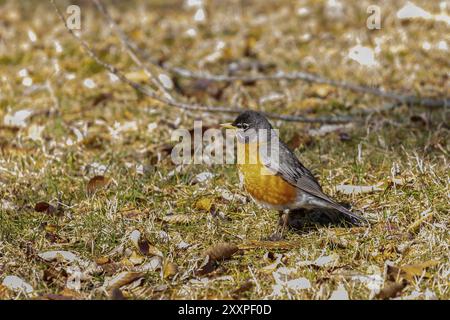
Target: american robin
<point x="272" y="174"/>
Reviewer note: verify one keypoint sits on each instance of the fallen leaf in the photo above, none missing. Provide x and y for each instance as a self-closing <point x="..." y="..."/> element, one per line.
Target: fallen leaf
<point x="122" y="279"/>
<point x="97" y="183"/>
<point x="298" y="284"/>
<point x="144" y="246"/>
<point x="53" y="296"/>
<point x="245" y="287"/>
<point x="102" y="260"/>
<point x="339" y="294"/>
<point x="410" y="271"/>
<point x="320" y="261"/>
<point x="202" y="177"/>
<point x="4" y="293"/>
<point x="221" y="251"/>
<point x="45" y="207"/>
<point x="136" y="258"/>
<point x="350" y="189"/>
<point x="329" y="128"/>
<point x="16" y="284"/>
<point x="170" y="269"/>
<point x="154" y="264"/>
<point x="204" y="204"/>
<point x="391" y="290"/>
<point x="70" y="293"/>
<point x="66" y="256"/>
<point x="116" y="294"/>
<point x="207" y="266"/>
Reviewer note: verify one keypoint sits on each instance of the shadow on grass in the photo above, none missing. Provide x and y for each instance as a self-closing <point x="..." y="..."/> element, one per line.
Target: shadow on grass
<point x="305" y="220"/>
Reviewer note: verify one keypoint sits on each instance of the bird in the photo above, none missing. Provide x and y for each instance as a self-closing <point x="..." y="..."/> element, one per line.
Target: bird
<point x="273" y="176"/>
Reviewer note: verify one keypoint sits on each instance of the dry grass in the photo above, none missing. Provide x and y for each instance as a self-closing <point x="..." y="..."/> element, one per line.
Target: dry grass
<point x="406" y="151"/>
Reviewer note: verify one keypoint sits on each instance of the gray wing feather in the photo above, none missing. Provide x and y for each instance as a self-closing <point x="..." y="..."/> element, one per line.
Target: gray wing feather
<point x="293" y="171"/>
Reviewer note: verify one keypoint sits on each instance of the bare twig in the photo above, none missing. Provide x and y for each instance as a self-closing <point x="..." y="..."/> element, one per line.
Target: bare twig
<point x="131" y="50"/>
<point x="181" y="105"/>
<point x="280" y="75"/>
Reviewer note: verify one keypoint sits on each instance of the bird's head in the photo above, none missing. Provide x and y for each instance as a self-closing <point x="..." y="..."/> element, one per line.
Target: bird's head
<point x="249" y="124"/>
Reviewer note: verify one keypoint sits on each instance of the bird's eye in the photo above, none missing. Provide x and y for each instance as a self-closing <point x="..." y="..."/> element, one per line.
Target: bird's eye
<point x="244" y="126"/>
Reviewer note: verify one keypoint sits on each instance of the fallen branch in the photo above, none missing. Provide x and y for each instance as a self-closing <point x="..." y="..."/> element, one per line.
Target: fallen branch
<point x="181" y="105"/>
<point x="280" y="75"/>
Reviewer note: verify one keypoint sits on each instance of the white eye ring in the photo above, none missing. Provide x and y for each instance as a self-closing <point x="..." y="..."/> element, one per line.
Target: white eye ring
<point x="245" y="126"/>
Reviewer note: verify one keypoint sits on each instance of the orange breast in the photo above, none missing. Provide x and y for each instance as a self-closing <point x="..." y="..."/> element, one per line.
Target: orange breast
<point x="270" y="189"/>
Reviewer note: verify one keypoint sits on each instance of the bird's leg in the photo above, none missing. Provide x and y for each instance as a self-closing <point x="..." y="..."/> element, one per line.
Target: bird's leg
<point x="281" y="227"/>
<point x="285" y="220"/>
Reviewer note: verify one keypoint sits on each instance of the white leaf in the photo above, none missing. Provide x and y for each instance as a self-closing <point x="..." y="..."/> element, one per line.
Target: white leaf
<point x="200" y="15"/>
<point x="204" y="176"/>
<point x="363" y="55"/>
<point x="183" y="245"/>
<point x="351" y="189"/>
<point x="298" y="284"/>
<point x="35" y="132"/>
<point x="23" y="73"/>
<point x="339" y="294"/>
<point x="324" y="260"/>
<point x="32" y="36"/>
<point x="17" y="284"/>
<point x="54" y="255"/>
<point x="17" y="119"/>
<point x="166" y="81"/>
<point x="319" y="262"/>
<point x="134" y="237"/>
<point x="27" y="82"/>
<point x="329" y="128"/>
<point x="89" y="83"/>
<point x="410" y="10"/>
<point x="154" y="264"/>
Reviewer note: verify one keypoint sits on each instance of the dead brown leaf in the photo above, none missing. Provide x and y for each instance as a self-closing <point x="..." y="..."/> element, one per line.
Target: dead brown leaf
<point x="221" y="251"/>
<point x="45" y="208"/>
<point x="122" y="279"/>
<point x="97" y="183"/>
<point x="391" y="290"/>
<point x="206" y="267"/>
<point x="146" y="249"/>
<point x="245" y="287"/>
<point x="116" y="294"/>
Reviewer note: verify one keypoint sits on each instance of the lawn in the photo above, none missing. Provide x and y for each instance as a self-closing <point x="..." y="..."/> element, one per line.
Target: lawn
<point x="92" y="207"/>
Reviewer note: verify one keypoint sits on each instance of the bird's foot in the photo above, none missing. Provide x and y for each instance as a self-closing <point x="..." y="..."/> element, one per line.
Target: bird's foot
<point x="283" y="225"/>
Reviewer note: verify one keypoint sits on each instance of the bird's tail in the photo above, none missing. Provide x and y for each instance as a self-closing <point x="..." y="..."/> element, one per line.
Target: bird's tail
<point x="350" y="216"/>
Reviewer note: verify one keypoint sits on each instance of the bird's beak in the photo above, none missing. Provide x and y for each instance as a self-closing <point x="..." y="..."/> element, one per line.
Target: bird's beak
<point x="228" y="125"/>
